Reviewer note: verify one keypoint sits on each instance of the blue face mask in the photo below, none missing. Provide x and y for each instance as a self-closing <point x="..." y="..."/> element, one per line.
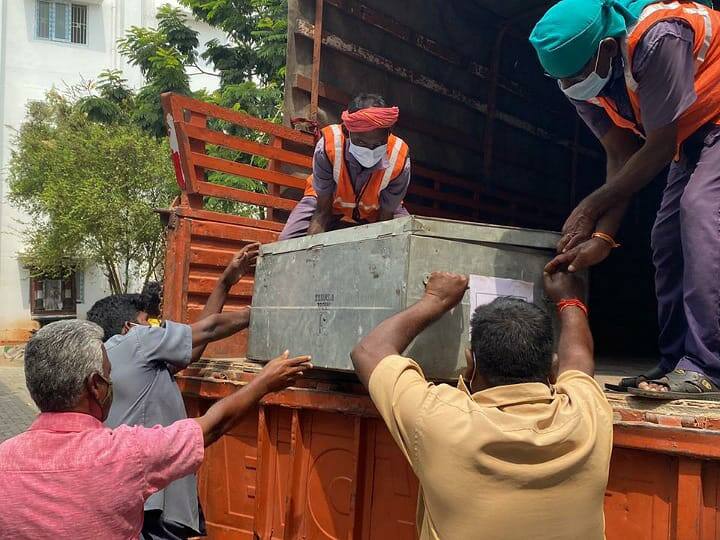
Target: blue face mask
<point x="588" y="88"/>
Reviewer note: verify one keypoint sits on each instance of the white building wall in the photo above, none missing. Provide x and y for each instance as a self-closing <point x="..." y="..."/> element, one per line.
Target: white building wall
<point x="29" y="67"/>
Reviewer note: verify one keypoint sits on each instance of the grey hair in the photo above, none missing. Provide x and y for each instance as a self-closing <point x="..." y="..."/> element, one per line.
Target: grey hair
<point x="58" y="360"/>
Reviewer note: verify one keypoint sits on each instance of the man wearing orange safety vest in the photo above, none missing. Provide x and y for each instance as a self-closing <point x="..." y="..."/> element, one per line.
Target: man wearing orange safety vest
<point x="645" y="77"/>
<point x="361" y="172"/>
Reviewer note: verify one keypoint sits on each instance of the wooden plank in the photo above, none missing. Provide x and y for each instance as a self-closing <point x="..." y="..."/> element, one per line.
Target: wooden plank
<point x="295" y="498"/>
<point x="171" y="105"/>
<point x="697" y="443"/>
<point x="247" y="171"/>
<point x="689" y="499"/>
<point x="176" y="265"/>
<point x="230" y="236"/>
<point x="193" y="176"/>
<point x="359" y="481"/>
<point x="317" y="51"/>
<point x="211" y="257"/>
<point x="241" y="119"/>
<point x="244" y="145"/>
<point x="241" y="195"/>
<point x="205" y="285"/>
<point x="275" y="165"/>
<point x="267" y="458"/>
<point x="219" y="217"/>
<point x="502" y="195"/>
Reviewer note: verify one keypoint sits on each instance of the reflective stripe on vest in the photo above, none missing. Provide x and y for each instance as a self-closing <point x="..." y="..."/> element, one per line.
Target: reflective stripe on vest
<point x="338" y="141"/>
<point x="698" y="9"/>
<point x="395" y="152"/>
<point x="705" y="24"/>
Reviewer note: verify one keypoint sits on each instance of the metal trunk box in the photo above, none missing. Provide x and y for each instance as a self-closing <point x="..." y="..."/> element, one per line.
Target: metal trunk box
<point x="320" y="294"/>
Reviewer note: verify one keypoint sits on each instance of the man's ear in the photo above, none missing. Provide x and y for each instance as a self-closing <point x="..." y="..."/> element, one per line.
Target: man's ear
<point x="92" y="385"/>
<point x="610" y="47"/>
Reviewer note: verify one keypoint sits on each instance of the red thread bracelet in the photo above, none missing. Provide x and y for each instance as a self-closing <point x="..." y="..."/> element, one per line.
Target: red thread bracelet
<point x="574" y="302"/>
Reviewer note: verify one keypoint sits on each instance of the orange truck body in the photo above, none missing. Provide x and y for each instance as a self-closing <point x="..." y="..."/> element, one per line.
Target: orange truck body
<point x="316" y="462"/>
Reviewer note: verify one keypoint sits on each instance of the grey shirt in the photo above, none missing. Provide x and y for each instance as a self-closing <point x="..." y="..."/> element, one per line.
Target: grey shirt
<point x="324" y="183"/>
<point x="664" y="67"/>
<point x="145" y="394"/>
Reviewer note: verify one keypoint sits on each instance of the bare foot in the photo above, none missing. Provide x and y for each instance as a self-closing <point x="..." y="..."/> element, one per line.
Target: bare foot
<point x="652" y="387"/>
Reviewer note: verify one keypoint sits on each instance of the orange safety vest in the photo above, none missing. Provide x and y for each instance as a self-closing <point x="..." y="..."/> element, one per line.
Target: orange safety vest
<point x="367" y="201"/>
<point x="705" y="23"/>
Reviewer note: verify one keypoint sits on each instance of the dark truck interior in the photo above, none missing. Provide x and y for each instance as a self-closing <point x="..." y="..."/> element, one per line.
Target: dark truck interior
<point x="492" y="138"/>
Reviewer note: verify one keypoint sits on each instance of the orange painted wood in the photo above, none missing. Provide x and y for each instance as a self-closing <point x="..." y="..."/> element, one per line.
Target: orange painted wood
<point x="327" y="468"/>
<point x="689" y="499"/>
<point x="180" y="103"/>
<point x="241" y="195"/>
<point x="640" y="495"/>
<point x="239" y="235"/>
<point x="247" y="171"/>
<point x="696" y="443"/>
<point x="247" y="146"/>
<point x="219" y="217"/>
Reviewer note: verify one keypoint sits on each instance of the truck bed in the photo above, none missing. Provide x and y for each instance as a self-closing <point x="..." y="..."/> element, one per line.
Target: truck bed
<point x="315" y="461"/>
<point x="679" y="413"/>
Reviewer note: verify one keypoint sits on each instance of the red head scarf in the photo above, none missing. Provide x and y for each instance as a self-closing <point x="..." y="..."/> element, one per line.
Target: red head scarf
<point x="370" y="119"/>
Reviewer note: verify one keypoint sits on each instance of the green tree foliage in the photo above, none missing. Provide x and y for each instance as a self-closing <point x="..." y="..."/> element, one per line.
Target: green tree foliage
<point x="250" y="67"/>
<point x="163" y="55"/>
<point x="91" y="166"/>
<point x="91" y="187"/>
<point x="257" y="31"/>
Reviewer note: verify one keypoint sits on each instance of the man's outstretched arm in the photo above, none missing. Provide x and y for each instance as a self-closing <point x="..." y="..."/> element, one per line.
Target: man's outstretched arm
<point x="575" y="345"/>
<point x="242" y="263"/>
<point x="443" y="292"/>
<point x="276" y="375"/>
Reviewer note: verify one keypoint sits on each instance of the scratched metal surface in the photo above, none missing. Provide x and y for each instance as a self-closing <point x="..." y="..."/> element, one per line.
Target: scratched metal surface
<point x="319" y="295"/>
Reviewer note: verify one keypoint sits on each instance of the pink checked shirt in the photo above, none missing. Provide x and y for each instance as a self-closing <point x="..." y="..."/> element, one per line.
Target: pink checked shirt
<point x="68" y="476"/>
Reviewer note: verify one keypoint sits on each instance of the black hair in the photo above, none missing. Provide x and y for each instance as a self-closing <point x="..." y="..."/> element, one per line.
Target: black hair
<point x="152" y="295"/>
<point x="363" y="101"/>
<point x="112" y="312"/>
<point x="512" y="341"/>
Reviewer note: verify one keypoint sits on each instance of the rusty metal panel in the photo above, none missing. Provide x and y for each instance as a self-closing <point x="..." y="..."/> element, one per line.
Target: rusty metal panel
<point x="464" y="73"/>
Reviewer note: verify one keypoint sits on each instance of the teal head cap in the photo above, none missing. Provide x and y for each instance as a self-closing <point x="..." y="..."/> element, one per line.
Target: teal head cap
<point x="569" y="34"/>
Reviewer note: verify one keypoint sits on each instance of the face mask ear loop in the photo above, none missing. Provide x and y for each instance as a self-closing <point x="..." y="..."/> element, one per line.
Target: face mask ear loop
<point x="472" y="375"/>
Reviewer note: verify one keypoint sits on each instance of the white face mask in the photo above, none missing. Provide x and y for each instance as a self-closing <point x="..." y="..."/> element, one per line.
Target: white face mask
<point x="367" y="157"/>
<point x="589" y="87"/>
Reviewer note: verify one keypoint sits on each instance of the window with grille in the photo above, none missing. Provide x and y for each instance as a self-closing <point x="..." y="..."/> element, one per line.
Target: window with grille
<point x="62" y="21"/>
<point x="52" y="296"/>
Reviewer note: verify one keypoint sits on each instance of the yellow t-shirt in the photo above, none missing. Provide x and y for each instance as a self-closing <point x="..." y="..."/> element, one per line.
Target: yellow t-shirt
<point x="512" y="462"/>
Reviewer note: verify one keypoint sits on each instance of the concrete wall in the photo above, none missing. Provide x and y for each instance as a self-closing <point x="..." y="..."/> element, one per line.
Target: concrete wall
<point x="28" y="68"/>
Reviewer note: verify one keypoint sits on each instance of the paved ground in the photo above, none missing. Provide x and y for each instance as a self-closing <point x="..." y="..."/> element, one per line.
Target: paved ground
<point x="17" y="409"/>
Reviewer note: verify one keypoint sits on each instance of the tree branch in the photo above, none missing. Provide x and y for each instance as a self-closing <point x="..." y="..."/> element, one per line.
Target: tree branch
<point x="202" y="71"/>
